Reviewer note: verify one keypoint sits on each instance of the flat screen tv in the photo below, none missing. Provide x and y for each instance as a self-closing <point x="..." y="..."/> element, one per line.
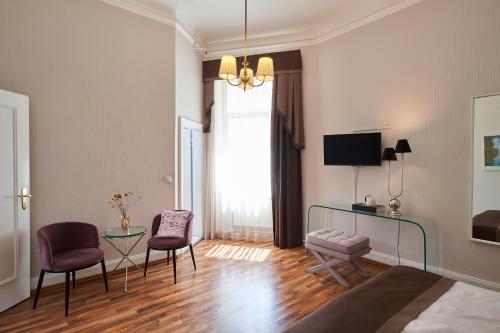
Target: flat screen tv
<point x="362" y="149"/>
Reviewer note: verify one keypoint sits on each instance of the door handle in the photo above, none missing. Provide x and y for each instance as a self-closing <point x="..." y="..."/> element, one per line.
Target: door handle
<point x="24" y="197"/>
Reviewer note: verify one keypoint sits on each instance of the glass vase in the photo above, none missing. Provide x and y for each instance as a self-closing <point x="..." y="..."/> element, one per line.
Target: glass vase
<point x="125" y="222"/>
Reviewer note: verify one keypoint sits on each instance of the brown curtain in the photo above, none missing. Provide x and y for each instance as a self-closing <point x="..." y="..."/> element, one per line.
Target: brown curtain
<point x="208" y="102"/>
<point x="287" y="141"/>
<point x="283" y="62"/>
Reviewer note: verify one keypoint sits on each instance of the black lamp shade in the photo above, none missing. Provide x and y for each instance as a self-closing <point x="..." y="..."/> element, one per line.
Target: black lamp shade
<point x="389" y="155"/>
<point x="403" y="147"/>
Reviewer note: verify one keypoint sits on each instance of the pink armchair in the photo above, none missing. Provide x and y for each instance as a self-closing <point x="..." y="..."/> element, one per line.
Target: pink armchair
<point x="169" y="243"/>
<point x="67" y="247"/>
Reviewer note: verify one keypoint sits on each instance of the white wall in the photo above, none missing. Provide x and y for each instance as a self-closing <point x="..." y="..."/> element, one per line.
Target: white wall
<point x="101" y="87"/>
<point x="417" y="70"/>
<point x="188" y="80"/>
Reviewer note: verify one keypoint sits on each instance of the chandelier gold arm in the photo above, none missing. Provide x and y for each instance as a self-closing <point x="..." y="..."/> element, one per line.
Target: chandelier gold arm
<point x="240" y="82"/>
<point x="234" y="85"/>
<point x="258" y="85"/>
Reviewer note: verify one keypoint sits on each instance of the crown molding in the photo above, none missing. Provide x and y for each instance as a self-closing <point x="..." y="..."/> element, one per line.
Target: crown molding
<point x="274" y="33"/>
<point x="264" y="48"/>
<point x="187" y="36"/>
<point x="297" y="38"/>
<point x="216" y="53"/>
<point x="377" y="15"/>
<point x="138" y="8"/>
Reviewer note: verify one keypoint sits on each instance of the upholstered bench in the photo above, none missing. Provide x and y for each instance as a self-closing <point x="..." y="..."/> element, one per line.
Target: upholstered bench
<point x="341" y="247"/>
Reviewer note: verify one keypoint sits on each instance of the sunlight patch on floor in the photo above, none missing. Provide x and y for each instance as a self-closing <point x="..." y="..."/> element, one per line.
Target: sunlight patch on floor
<point x="238" y="253"/>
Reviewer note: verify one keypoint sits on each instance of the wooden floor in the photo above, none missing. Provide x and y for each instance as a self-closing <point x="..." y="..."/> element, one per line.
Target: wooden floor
<point x="239" y="287"/>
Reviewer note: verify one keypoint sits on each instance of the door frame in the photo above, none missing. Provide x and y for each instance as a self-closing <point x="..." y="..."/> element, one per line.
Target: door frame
<point x="183" y="123"/>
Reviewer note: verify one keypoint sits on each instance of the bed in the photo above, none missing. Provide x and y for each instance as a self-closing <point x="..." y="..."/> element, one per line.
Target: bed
<point x="409" y="300"/>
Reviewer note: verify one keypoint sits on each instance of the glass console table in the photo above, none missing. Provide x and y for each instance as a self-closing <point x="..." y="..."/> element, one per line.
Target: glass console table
<point x="425" y="226"/>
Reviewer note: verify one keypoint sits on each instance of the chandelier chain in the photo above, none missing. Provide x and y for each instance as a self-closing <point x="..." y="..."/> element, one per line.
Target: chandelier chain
<point x="246" y="42"/>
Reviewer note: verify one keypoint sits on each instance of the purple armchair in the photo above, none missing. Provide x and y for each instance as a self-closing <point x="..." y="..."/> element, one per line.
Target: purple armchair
<point x="67" y="247"/>
<point x="170" y="244"/>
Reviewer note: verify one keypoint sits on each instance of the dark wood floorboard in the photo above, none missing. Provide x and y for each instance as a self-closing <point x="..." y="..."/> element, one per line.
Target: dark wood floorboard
<point x="239" y="287"/>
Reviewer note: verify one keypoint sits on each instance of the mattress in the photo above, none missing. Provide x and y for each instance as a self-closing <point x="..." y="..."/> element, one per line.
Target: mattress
<point x="463" y="308"/>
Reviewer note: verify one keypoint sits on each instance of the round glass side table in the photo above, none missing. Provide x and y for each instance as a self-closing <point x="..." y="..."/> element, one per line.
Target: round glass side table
<point x="126" y="234"/>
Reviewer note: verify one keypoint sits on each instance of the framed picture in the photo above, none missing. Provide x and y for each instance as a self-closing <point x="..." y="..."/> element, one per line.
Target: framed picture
<point x="492" y="152"/>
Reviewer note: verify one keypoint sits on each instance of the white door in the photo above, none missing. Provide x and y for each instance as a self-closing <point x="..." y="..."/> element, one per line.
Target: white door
<point x="191" y="186"/>
<point x="14" y="202"/>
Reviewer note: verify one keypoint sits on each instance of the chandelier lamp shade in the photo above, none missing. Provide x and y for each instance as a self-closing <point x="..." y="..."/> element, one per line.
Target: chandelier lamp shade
<point x="228" y="70"/>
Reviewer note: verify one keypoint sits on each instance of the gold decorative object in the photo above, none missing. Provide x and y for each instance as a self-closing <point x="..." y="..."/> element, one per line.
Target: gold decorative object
<point x="228" y="70"/>
<point x="123" y="202"/>
<point x="125" y="222"/>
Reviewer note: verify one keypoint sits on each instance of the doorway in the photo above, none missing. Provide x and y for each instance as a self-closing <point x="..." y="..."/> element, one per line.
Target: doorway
<point x="191" y="172"/>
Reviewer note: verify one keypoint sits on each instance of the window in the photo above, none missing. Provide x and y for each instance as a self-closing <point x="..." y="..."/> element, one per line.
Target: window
<point x="241" y="134"/>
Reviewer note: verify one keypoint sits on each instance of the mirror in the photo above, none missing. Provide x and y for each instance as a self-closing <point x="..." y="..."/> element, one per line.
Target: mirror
<point x="486" y="169"/>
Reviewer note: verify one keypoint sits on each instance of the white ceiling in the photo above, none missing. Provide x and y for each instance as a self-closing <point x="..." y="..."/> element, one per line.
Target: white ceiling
<point x="218" y="24"/>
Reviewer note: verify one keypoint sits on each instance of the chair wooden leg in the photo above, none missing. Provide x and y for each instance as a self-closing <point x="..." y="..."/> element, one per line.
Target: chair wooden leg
<point x="73" y="275"/>
<point x="175" y="268"/>
<point x="104" y="275"/>
<point x="192" y="255"/>
<point x="147" y="260"/>
<point x="168" y="257"/>
<point x="66" y="294"/>
<point x="39" y="286"/>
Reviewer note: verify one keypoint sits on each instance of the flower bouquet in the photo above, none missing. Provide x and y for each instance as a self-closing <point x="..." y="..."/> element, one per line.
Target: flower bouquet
<point x="123" y="202"/>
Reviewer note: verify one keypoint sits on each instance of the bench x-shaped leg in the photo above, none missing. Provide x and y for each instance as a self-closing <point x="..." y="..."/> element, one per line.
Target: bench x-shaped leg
<point x="327" y="265"/>
<point x="358" y="268"/>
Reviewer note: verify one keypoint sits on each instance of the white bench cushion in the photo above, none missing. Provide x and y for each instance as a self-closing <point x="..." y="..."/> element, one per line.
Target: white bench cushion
<point x="337" y="240"/>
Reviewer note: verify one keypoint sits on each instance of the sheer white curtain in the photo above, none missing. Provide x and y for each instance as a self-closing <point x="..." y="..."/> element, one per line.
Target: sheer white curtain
<point x="238" y="193"/>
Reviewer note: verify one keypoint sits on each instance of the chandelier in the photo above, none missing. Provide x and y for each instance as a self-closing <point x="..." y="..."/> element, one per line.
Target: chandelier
<point x="228" y="71"/>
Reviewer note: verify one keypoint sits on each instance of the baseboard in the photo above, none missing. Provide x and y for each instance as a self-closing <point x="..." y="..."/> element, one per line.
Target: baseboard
<point x="55" y="278"/>
<point x="392" y="260"/>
